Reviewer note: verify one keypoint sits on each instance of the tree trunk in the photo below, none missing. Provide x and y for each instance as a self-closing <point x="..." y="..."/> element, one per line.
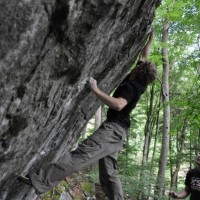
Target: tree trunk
<point x="98" y="118"/>
<point x="148" y="128"/>
<point x="155" y="145"/>
<point x="48" y="51"/>
<point x="166" y="116"/>
<point x="97" y="123"/>
<point x="147" y="141"/>
<point x="174" y="174"/>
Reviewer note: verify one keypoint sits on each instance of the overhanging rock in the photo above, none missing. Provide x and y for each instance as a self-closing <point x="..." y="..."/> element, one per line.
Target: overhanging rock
<point x="49" y="49"/>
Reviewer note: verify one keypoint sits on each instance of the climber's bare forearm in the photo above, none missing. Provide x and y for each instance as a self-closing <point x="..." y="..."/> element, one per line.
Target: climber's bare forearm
<point x="112" y="102"/>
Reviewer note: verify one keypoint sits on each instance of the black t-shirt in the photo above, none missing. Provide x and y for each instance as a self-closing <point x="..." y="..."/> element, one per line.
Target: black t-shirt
<point x="131" y="91"/>
<point x="193" y="182"/>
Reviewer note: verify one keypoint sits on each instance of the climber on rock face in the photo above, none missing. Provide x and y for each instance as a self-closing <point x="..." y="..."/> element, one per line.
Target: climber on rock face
<point x="105" y="143"/>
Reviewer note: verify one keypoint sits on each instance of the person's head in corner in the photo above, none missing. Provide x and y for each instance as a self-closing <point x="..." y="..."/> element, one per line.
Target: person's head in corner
<point x="145" y="73"/>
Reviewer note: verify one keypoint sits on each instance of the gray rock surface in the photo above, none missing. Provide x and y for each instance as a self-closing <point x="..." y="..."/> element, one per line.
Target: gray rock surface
<point x="65" y="196"/>
<point x="48" y="50"/>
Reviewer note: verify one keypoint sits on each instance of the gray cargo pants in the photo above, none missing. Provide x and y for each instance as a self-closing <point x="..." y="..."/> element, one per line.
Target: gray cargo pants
<point x="102" y="145"/>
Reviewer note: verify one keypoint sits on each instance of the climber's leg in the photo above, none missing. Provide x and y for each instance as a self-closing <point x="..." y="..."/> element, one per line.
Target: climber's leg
<point x="106" y="140"/>
<point x="108" y="177"/>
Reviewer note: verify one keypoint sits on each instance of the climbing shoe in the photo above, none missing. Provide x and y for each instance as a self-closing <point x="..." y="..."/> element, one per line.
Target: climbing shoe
<point x="25" y="179"/>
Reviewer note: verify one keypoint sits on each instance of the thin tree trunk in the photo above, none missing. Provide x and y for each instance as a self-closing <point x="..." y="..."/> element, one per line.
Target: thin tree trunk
<point x="97" y="123"/>
<point x="127" y="146"/>
<point x="174" y="174"/>
<point x="190" y="150"/>
<point x="148" y="129"/>
<point x="147" y="141"/>
<point x="166" y="117"/>
<point x="155" y="145"/>
<point x="98" y="118"/>
<point x="196" y="147"/>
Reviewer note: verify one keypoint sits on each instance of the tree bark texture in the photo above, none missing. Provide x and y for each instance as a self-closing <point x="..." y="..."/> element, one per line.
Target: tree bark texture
<point x="166" y="116"/>
<point x="49" y="49"/>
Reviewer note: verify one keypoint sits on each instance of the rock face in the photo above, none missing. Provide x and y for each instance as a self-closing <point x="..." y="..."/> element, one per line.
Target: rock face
<point x="49" y="49"/>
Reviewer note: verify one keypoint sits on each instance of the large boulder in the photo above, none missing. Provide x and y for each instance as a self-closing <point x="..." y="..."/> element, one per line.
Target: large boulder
<point x="49" y="49"/>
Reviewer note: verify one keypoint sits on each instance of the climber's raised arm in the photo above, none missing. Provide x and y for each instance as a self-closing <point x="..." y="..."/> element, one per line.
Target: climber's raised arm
<point x="147" y="48"/>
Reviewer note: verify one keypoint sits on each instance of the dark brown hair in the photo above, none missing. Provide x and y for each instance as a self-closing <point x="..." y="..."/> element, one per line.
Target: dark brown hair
<point x="144" y="73"/>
